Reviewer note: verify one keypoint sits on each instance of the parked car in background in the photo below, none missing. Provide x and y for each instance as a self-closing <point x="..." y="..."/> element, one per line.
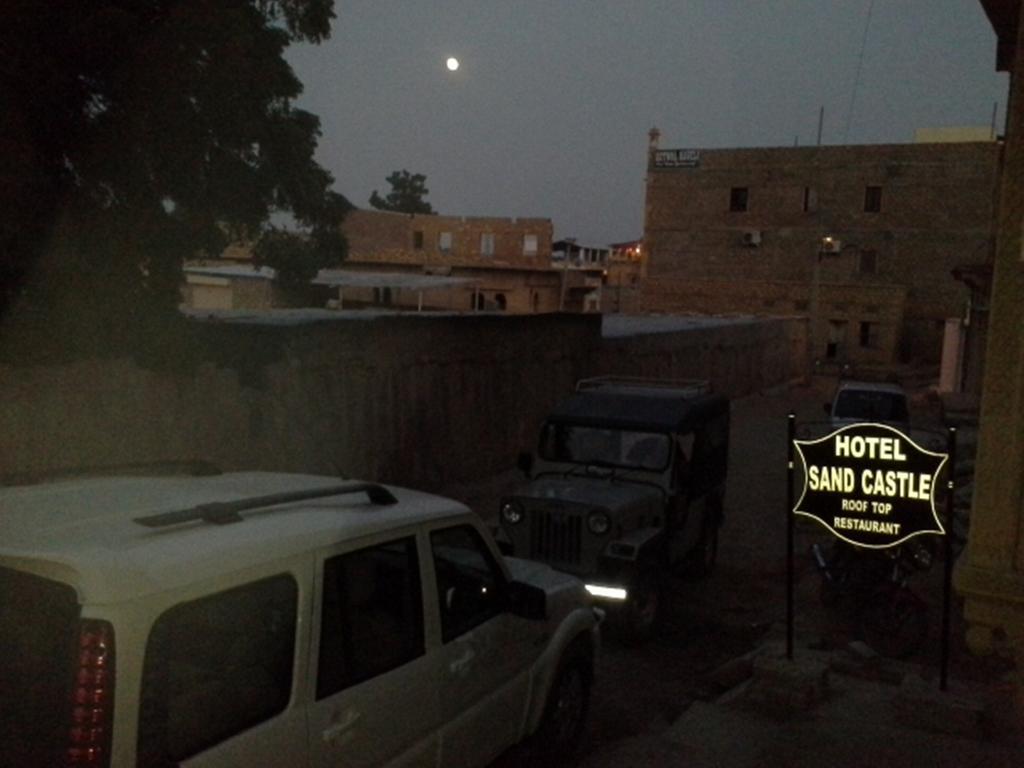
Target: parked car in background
<point x="263" y="619"/>
<point x="855" y="402"/>
<point x="628" y="484"/>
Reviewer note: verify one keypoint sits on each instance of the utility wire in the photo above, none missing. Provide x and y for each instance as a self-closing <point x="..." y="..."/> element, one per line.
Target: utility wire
<point x="856" y="77"/>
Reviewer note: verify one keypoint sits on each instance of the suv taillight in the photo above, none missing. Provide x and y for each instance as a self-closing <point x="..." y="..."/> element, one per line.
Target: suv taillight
<point x="92" y="696"/>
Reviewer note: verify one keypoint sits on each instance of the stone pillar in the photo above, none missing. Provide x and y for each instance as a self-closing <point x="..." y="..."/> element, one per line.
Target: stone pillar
<point x="952" y="356"/>
<point x="991" y="575"/>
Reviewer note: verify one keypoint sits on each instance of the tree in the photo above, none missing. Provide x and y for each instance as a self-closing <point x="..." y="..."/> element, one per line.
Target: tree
<point x="138" y="133"/>
<point x="406" y="195"/>
<point x="298" y="259"/>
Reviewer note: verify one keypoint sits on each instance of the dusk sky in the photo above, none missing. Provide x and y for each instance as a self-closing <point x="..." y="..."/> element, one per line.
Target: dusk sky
<point x="549" y="112"/>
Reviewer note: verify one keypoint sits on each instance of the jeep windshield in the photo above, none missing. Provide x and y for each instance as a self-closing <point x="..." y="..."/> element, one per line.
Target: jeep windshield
<point x="605" y="447"/>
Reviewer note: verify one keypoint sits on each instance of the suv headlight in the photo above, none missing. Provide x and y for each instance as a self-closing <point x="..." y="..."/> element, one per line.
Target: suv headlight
<point x="598" y="523"/>
<point x="512" y="513"/>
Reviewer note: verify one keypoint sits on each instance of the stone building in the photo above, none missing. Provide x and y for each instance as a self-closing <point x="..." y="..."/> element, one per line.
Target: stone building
<point x="862" y="239"/>
<point x="625" y="268"/>
<point x="991" y="576"/>
<point x="507" y="262"/>
<point x="220" y="285"/>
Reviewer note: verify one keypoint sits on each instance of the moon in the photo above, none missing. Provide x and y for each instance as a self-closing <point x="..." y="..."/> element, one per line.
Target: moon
<point x="452" y="64"/>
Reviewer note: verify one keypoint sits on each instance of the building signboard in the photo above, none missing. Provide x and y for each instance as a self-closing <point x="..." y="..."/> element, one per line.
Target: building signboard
<point x="870" y="485"/>
<point x="676" y="158"/>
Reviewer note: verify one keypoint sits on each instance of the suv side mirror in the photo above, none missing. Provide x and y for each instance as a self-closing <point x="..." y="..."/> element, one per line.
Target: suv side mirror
<point x="527" y="601"/>
<point x="525" y="463"/>
<point x="828" y="409"/>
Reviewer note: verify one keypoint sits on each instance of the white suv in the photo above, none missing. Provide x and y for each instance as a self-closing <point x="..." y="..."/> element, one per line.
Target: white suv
<point x="868" y="401"/>
<point x="258" y="619"/>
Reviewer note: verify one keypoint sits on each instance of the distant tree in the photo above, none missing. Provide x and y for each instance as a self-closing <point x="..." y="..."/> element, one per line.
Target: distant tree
<point x="137" y="133"/>
<point x="406" y="195"/>
<point x="297" y="258"/>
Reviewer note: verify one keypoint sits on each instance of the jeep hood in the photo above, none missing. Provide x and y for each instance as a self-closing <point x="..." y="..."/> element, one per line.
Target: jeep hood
<point x="592" y="491"/>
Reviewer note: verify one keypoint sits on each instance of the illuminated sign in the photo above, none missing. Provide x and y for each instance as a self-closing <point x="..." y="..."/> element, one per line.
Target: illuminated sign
<point x="870" y="485"/>
<point x="676" y="158"/>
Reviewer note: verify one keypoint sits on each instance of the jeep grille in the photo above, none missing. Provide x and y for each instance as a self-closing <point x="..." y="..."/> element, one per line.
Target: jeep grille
<point x="556" y="537"/>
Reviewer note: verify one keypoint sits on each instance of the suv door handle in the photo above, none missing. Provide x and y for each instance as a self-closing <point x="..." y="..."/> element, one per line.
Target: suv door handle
<point x="338" y="729"/>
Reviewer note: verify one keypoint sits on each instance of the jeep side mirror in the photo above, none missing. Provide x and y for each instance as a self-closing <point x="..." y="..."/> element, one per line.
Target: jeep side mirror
<point x="527" y="600"/>
<point x="525" y="463"/>
<point x="828" y="409"/>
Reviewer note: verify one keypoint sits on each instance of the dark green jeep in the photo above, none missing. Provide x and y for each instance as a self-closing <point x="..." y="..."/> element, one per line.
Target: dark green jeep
<point x="627" y="486"/>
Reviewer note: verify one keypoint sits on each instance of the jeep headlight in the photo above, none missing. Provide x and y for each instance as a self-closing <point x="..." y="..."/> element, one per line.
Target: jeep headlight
<point x="512" y="512"/>
<point x="598" y="522"/>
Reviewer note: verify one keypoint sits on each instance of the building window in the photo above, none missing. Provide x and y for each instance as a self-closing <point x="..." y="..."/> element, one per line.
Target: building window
<point x="836" y="339"/>
<point x="444" y="242"/>
<point x="417" y="240"/>
<point x="529" y="245"/>
<point x="487" y="244"/>
<point x="867" y="263"/>
<point x="872" y="199"/>
<point x="868" y="334"/>
<point x="810" y="199"/>
<point x="738" y="199"/>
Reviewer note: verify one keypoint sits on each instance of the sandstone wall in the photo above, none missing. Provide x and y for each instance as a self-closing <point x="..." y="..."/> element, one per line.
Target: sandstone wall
<point x="421" y="401"/>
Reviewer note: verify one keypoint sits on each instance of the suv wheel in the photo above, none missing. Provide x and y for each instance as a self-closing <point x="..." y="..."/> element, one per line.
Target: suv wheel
<point x="565" y="713"/>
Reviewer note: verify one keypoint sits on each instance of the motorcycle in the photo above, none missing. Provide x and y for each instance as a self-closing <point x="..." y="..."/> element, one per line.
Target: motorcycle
<point x="870" y="587"/>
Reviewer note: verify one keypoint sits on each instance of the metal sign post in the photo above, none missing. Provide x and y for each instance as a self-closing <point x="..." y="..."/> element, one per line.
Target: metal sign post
<point x="789" y="538"/>
<point x="948" y="576"/>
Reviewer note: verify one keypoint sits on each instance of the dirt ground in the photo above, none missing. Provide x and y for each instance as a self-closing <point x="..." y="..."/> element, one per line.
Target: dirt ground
<point x="641" y="691"/>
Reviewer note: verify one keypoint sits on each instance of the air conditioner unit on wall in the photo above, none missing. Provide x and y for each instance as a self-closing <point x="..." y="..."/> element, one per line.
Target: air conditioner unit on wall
<point x="752" y="238"/>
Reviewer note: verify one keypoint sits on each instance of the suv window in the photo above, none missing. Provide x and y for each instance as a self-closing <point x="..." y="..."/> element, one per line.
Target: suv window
<point x="372" y="619"/>
<point x="215" y="667"/>
<point x="38" y="630"/>
<point x="470" y="588"/>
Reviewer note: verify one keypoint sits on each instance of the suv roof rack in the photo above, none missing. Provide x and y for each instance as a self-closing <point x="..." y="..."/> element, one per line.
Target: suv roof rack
<point x="625" y="384"/>
<point x="225" y="512"/>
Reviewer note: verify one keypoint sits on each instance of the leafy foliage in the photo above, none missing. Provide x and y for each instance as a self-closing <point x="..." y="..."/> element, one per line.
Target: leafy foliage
<point x="297" y="259"/>
<point x="138" y="133"/>
<point x="406" y="196"/>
